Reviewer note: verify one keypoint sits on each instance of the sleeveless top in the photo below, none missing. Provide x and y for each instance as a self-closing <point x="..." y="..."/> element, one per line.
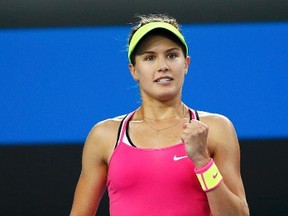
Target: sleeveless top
<point x="153" y="181"/>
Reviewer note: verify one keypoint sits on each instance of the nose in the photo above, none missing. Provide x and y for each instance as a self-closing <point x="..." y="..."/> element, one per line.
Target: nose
<point x="163" y="67"/>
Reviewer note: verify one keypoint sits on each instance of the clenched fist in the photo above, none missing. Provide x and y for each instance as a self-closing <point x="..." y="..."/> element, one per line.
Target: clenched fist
<point x="194" y="136"/>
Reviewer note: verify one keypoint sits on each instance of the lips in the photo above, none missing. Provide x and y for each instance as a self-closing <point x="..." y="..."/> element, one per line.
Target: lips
<point x="163" y="79"/>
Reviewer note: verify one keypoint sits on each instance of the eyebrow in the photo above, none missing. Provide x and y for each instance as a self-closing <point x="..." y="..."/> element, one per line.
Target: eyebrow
<point x="168" y="50"/>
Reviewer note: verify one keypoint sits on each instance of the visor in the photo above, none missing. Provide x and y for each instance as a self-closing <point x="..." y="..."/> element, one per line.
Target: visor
<point x="143" y="30"/>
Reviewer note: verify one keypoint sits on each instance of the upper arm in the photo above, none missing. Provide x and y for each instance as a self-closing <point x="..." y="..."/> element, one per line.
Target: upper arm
<point x="223" y="141"/>
<point x="92" y="180"/>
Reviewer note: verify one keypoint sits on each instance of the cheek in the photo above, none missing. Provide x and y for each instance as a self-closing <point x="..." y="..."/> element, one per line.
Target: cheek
<point x="145" y="73"/>
<point x="145" y="78"/>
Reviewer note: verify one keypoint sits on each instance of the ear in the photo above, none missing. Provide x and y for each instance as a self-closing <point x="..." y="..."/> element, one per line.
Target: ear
<point x="187" y="63"/>
<point x="133" y="71"/>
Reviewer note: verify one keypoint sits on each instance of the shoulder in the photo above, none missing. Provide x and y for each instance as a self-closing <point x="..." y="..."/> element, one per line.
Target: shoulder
<point x="102" y="137"/>
<point x="222" y="134"/>
<point x="214" y="119"/>
<point x="102" y="127"/>
<point x="106" y="130"/>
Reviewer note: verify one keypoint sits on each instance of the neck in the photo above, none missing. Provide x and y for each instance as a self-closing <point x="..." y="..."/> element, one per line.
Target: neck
<point x="160" y="113"/>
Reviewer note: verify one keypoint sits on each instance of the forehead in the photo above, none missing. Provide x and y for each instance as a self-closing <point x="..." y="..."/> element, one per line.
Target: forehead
<point x="154" y="41"/>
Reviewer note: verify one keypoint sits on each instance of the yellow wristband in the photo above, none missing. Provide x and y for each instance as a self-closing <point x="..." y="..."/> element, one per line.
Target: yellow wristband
<point x="209" y="176"/>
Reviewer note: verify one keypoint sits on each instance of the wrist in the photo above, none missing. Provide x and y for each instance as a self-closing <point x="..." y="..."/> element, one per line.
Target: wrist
<point x="209" y="176"/>
<point x="201" y="162"/>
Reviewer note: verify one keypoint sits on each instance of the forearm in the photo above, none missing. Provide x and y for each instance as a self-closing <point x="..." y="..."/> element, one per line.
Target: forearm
<point x="82" y="204"/>
<point x="223" y="202"/>
<point x="87" y="196"/>
<point x="76" y="212"/>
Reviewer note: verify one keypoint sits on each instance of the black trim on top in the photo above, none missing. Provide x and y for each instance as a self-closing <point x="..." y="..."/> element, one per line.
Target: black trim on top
<point x="127" y="135"/>
<point x="119" y="132"/>
<point x="197" y="115"/>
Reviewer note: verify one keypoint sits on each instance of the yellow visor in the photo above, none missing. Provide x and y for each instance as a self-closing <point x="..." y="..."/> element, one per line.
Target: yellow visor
<point x="142" y="31"/>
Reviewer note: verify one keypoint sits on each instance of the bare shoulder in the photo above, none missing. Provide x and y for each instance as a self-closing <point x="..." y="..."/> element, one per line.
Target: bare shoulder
<point x="222" y="134"/>
<point x="107" y="125"/>
<point x="216" y="121"/>
<point x="102" y="138"/>
<point x="106" y="128"/>
<point x="212" y="116"/>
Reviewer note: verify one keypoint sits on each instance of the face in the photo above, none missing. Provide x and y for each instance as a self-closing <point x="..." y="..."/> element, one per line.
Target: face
<point x="160" y="68"/>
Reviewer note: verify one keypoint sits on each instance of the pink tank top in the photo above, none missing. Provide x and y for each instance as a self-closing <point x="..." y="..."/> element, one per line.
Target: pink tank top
<point x="153" y="182"/>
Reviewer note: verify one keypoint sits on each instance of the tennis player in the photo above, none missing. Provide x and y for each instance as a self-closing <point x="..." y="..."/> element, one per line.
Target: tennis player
<point x="164" y="158"/>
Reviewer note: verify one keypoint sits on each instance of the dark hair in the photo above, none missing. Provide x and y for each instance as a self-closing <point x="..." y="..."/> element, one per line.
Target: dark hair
<point x="145" y="19"/>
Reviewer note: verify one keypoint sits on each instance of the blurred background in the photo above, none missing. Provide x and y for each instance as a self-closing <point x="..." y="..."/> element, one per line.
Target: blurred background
<point x="63" y="68"/>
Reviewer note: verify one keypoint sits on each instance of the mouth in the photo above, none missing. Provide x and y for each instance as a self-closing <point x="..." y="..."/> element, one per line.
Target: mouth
<point x="163" y="80"/>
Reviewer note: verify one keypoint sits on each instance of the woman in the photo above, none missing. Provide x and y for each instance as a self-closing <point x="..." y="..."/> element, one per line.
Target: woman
<point x="163" y="158"/>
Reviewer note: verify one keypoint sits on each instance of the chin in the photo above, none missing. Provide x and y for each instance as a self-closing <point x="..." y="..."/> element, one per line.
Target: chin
<point x="166" y="96"/>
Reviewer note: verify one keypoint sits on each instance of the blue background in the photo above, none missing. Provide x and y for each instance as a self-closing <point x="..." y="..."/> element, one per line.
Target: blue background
<point x="57" y="83"/>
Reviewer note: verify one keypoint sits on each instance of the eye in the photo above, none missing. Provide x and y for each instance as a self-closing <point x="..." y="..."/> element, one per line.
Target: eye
<point x="149" y="58"/>
<point x="172" y="55"/>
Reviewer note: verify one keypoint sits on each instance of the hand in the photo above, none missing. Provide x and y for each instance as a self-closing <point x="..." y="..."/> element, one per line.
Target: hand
<point x="194" y="137"/>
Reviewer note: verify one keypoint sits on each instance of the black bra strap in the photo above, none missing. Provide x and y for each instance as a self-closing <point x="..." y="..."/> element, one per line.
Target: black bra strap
<point x="197" y="115"/>
<point x="191" y="114"/>
<point x="119" y="131"/>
